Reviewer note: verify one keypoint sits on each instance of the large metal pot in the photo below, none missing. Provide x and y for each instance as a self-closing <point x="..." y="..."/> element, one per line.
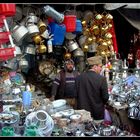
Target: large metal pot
<point x="78" y="53"/>
<point x="41" y="118"/>
<point x="82" y="40"/>
<point x="31" y="18"/>
<point x="19" y="33"/>
<point x="33" y="29"/>
<point x="72" y="45"/>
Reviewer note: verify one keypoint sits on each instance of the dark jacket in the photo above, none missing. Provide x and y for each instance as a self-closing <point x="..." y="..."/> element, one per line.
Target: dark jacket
<point x="92" y="93"/>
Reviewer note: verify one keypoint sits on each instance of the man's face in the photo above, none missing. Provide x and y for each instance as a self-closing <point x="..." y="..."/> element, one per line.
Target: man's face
<point x="69" y="67"/>
<point x="98" y="68"/>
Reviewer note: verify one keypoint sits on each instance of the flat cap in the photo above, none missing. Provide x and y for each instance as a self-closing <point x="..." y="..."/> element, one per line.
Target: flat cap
<point x="95" y="60"/>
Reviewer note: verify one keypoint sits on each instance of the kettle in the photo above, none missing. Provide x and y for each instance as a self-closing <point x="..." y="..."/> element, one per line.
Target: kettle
<point x="42" y="48"/>
<point x="37" y="39"/>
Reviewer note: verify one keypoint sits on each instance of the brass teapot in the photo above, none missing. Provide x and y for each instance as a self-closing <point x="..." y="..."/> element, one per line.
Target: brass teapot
<point x="42" y="26"/>
<point x="37" y="39"/>
<point x="42" y="48"/>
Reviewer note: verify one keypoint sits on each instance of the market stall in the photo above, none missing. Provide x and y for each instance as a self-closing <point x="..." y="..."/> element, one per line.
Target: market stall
<point x="35" y="40"/>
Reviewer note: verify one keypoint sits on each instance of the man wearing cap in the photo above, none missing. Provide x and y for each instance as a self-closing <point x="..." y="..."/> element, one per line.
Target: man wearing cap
<point x="64" y="84"/>
<point x="92" y="90"/>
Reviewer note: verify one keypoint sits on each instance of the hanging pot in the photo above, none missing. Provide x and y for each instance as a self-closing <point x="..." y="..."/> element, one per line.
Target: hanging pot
<point x="19" y="33"/>
<point x="42" y="26"/>
<point x="31" y="18"/>
<point x="92" y="47"/>
<point x="78" y="53"/>
<point x="42" y="48"/>
<point x="23" y="63"/>
<point x="82" y="39"/>
<point x="30" y="49"/>
<point x="45" y="34"/>
<point x="37" y="39"/>
<point x="33" y="29"/>
<point x="72" y="45"/>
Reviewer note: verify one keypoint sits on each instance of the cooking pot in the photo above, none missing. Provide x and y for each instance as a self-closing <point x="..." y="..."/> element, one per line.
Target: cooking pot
<point x="33" y="29"/>
<point x="30" y="49"/>
<point x="72" y="45"/>
<point x="78" y="52"/>
<point x="31" y="18"/>
<point x="40" y="119"/>
<point x="23" y="63"/>
<point x="19" y="33"/>
<point x="82" y="39"/>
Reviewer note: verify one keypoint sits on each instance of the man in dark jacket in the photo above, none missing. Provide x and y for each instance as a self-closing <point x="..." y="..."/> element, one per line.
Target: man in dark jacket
<point x="92" y="89"/>
<point x="64" y="84"/>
